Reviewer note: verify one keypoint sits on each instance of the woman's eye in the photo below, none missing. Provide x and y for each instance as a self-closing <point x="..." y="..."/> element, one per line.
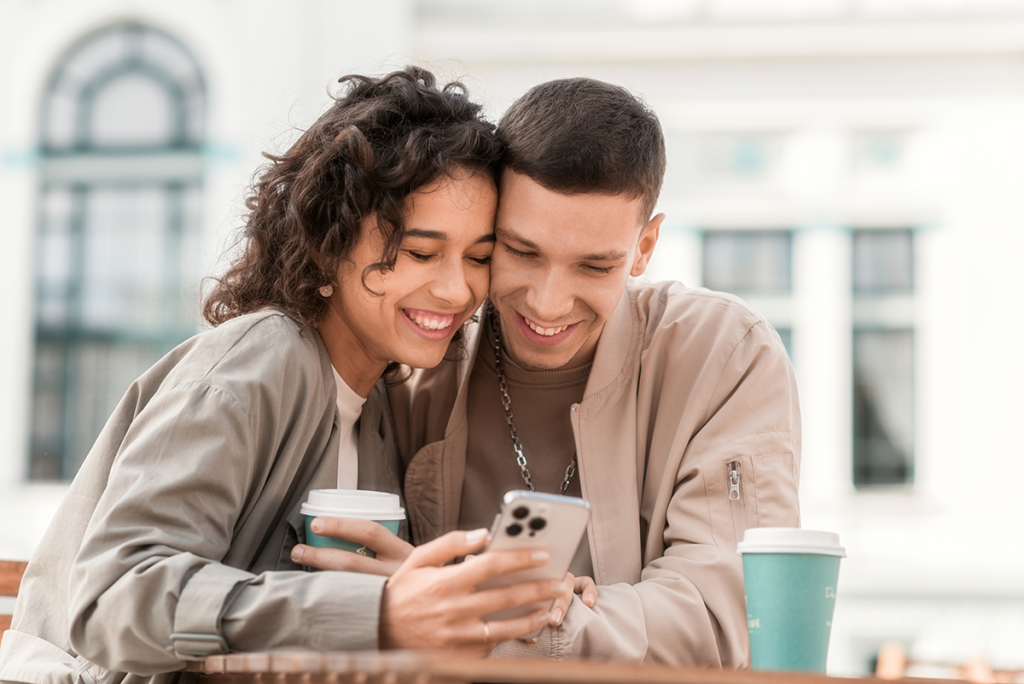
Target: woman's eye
<point x="483" y="261"/>
<point x="420" y="256"/>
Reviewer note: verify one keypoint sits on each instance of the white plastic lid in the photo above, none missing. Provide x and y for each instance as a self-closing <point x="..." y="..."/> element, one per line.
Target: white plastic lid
<point x="353" y="503"/>
<point x="790" y="540"/>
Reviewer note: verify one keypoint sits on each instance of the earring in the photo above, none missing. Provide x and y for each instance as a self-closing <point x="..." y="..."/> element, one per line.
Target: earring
<point x="326" y="291"/>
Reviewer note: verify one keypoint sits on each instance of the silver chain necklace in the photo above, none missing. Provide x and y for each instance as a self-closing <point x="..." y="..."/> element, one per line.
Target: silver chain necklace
<point x="507" y="403"/>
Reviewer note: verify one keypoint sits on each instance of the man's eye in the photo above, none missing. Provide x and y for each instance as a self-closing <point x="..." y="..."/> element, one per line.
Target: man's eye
<point x="483" y="261"/>
<point x="599" y="270"/>
<point x="516" y="253"/>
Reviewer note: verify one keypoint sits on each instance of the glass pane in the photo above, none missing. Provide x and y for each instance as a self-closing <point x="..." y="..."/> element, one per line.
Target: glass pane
<point x="123" y="272"/>
<point x="748" y="261"/>
<point x="883" y="261"/>
<point x="184" y="292"/>
<point x="60" y="126"/>
<point x="100" y="373"/>
<point x="133" y="109"/>
<point x="883" y="407"/>
<point x="54" y="262"/>
<point x="138" y="108"/>
<point x="876" y="151"/>
<point x="172" y="58"/>
<point x="738" y="157"/>
<point x="195" y="117"/>
<point x="48" y="412"/>
<point x="786" y="335"/>
<point x="94" y="57"/>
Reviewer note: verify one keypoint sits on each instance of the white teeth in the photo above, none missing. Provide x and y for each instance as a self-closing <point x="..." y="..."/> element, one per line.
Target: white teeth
<point x="546" y="332"/>
<point x="431" y="323"/>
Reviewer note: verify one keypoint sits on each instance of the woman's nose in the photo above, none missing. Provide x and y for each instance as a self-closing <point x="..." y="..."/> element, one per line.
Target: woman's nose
<point x="450" y="284"/>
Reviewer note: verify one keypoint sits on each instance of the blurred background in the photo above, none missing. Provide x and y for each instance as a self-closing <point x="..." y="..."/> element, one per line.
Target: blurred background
<point x="853" y="168"/>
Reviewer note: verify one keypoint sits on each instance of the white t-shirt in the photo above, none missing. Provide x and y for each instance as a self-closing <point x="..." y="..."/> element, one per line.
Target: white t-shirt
<point x="350" y="405"/>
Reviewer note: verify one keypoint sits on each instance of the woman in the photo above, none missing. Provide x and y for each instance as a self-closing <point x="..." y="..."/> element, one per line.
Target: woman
<point x="366" y="247"/>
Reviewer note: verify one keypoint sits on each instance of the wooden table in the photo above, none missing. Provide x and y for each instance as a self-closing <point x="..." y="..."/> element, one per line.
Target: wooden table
<point x="408" y="667"/>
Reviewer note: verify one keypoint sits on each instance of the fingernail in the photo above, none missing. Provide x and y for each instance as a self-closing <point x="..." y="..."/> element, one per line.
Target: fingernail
<point x="590" y="598"/>
<point x="296" y="553"/>
<point x="540" y="555"/>
<point x="476" y="536"/>
<point x="556" y="616"/>
<point x="316" y="525"/>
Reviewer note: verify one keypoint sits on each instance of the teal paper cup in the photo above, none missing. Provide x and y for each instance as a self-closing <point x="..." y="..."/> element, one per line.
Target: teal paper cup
<point x="789" y="578"/>
<point x="380" y="507"/>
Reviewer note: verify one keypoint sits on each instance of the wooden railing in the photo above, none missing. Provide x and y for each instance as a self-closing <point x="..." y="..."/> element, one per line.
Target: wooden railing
<point x="10" y="580"/>
<point x="405" y="667"/>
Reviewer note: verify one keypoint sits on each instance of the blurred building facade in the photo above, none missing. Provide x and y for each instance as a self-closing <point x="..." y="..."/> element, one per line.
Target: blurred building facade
<point x="852" y="168"/>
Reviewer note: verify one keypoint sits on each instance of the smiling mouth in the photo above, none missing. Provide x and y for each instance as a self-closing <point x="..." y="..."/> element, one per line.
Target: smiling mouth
<point x="431" y="321"/>
<point x="545" y="332"/>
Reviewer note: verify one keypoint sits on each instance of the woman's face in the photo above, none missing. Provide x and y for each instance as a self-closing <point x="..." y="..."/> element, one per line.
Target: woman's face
<point x="439" y="280"/>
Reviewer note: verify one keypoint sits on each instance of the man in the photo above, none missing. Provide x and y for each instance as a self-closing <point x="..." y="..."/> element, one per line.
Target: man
<point x="673" y="411"/>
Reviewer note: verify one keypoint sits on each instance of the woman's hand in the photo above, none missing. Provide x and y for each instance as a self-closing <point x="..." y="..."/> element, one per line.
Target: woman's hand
<point x="390" y="549"/>
<point x="584" y="586"/>
<point x="427" y="604"/>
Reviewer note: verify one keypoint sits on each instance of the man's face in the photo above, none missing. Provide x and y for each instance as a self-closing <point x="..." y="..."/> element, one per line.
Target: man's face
<point x="559" y="268"/>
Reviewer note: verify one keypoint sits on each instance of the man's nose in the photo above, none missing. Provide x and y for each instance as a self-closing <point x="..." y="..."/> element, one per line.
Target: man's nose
<point x="550" y="295"/>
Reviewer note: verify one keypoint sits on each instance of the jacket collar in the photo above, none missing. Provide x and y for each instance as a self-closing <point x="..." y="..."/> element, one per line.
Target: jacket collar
<point x="616" y="351"/>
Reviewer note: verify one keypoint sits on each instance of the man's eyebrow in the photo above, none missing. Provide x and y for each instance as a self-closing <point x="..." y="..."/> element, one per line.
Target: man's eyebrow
<point x="441" y="235"/>
<point x="613" y="255"/>
<point x="507" y="234"/>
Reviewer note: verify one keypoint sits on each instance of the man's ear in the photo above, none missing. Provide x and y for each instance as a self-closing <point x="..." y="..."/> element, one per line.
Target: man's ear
<point x="645" y="247"/>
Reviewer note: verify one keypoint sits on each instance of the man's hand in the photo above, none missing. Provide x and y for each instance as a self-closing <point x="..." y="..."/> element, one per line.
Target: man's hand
<point x="390" y="549"/>
<point x="584" y="586"/>
<point x="429" y="605"/>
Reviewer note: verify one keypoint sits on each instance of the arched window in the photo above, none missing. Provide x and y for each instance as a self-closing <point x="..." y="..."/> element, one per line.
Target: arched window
<point x="121" y="173"/>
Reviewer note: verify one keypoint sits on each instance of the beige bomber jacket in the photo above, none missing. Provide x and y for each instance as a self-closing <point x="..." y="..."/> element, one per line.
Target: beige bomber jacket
<point x="687" y="387"/>
<point x="174" y="538"/>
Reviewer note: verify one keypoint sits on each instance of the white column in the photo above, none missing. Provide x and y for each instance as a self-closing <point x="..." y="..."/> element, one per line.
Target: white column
<point x="677" y="256"/>
<point x="822" y="347"/>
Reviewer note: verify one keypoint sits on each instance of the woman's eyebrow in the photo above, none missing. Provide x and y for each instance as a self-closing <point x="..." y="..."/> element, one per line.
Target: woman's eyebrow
<point x="426" y="234"/>
<point x="441" y="235"/>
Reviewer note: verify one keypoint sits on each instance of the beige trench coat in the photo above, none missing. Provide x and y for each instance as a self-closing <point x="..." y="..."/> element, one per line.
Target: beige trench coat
<point x="686" y="386"/>
<point x="174" y="539"/>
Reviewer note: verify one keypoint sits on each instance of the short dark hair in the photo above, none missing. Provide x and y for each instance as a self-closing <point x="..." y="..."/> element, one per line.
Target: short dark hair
<point x="381" y="140"/>
<point x="580" y="135"/>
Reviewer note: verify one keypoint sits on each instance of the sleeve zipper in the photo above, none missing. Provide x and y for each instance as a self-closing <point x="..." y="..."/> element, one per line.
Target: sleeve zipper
<point x="734" y="482"/>
<point x="736" y="503"/>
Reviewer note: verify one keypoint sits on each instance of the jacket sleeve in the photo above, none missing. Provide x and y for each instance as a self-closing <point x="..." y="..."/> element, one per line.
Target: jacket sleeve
<point x="147" y="588"/>
<point x="688" y="607"/>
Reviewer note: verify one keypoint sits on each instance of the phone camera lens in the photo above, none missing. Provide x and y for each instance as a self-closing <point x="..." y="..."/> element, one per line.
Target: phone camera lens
<point x="520" y="512"/>
<point x="514" y="529"/>
<point x="538" y="524"/>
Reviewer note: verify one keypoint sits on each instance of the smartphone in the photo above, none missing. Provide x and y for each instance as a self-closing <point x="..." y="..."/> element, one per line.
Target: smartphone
<point x="532" y="520"/>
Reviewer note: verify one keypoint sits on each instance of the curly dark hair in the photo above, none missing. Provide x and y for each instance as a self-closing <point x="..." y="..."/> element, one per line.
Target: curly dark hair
<point x="382" y="139"/>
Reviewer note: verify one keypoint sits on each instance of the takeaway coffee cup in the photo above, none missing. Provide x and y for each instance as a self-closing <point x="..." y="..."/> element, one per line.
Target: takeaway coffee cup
<point x="789" y="578"/>
<point x="381" y="507"/>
